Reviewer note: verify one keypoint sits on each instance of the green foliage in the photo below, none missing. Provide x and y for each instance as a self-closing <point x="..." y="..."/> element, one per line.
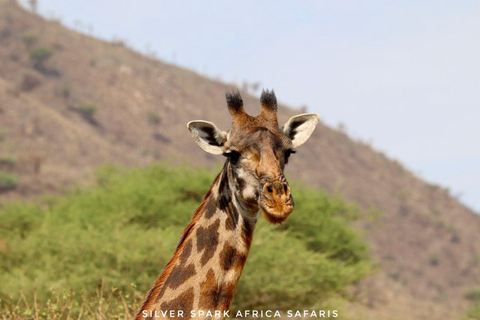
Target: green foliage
<point x="474" y="313"/>
<point x="320" y="254"/>
<point x="87" y="110"/>
<point x="126" y="228"/>
<point x="7" y="160"/>
<point x="7" y="163"/>
<point x="29" y="39"/>
<point x="7" y="181"/>
<point x="40" y="55"/>
<point x="473" y="295"/>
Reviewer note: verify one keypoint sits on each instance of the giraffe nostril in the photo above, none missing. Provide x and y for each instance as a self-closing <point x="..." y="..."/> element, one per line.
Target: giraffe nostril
<point x="285" y="188"/>
<point x="268" y="190"/>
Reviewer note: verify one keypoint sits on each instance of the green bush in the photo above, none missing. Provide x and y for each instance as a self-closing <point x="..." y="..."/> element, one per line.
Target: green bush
<point x="473" y="295"/>
<point x="87" y="110"/>
<point x="29" y="39"/>
<point x="474" y="312"/>
<point x="40" y="55"/>
<point x="126" y="228"/>
<point x="7" y="181"/>
<point x="7" y="163"/>
<point x="7" y="160"/>
<point x="321" y="254"/>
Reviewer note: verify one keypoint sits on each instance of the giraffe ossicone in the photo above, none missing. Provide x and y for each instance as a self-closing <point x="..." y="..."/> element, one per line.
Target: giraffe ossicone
<point x="205" y="269"/>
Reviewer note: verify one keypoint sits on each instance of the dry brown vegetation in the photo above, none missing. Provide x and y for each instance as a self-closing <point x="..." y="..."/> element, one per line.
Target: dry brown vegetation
<point x="425" y="242"/>
<point x="111" y="304"/>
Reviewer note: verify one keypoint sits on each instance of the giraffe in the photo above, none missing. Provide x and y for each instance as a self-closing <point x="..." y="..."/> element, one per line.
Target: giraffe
<point x="206" y="266"/>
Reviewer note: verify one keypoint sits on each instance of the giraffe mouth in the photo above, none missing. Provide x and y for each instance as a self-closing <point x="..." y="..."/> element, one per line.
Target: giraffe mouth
<point x="276" y="212"/>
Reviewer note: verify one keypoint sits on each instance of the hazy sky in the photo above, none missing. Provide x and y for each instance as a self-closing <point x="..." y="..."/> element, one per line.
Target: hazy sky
<point x="403" y="74"/>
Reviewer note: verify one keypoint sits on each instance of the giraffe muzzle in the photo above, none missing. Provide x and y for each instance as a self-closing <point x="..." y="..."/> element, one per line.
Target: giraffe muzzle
<point x="276" y="202"/>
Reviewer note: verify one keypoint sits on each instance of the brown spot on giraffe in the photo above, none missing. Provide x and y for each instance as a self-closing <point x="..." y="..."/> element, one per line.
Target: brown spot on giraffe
<point x="209" y="292"/>
<point x="180" y="274"/>
<point x="186" y="252"/>
<point x="207" y="241"/>
<point x="210" y="208"/>
<point x="226" y="295"/>
<point x="247" y="232"/>
<point x="183" y="302"/>
<point x="177" y="277"/>
<point x="231" y="257"/>
<point x="214" y="296"/>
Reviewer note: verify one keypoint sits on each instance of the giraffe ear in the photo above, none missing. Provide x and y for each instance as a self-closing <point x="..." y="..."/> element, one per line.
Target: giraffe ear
<point x="207" y="136"/>
<point x="299" y="128"/>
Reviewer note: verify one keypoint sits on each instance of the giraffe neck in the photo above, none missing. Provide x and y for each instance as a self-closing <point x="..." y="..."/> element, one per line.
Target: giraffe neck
<point x="205" y="269"/>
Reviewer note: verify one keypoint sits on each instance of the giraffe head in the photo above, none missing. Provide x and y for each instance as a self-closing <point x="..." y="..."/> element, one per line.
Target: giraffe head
<point x="257" y="151"/>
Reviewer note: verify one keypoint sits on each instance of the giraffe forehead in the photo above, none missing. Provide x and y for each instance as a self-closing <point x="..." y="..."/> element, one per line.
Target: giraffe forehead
<point x="258" y="138"/>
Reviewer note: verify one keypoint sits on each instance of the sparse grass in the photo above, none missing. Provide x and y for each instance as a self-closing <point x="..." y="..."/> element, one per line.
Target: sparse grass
<point x="154" y="118"/>
<point x="3" y="134"/>
<point x="65" y="92"/>
<point x="29" y="82"/>
<point x="125" y="229"/>
<point x="70" y="305"/>
<point x="434" y="259"/>
<point x="7" y="181"/>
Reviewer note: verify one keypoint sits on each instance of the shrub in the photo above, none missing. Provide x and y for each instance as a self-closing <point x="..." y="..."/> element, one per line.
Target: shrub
<point x="7" y="181"/>
<point x="7" y="162"/>
<point x="474" y="312"/>
<point x="40" y="55"/>
<point x="29" y="39"/>
<point x="317" y="237"/>
<point x="473" y="295"/>
<point x="87" y="111"/>
<point x="126" y="228"/>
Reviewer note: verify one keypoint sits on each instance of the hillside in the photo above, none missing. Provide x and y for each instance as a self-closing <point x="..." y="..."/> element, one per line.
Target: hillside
<point x="69" y="102"/>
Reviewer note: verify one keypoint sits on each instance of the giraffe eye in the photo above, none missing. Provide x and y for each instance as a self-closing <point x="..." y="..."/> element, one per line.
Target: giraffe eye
<point x="233" y="156"/>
